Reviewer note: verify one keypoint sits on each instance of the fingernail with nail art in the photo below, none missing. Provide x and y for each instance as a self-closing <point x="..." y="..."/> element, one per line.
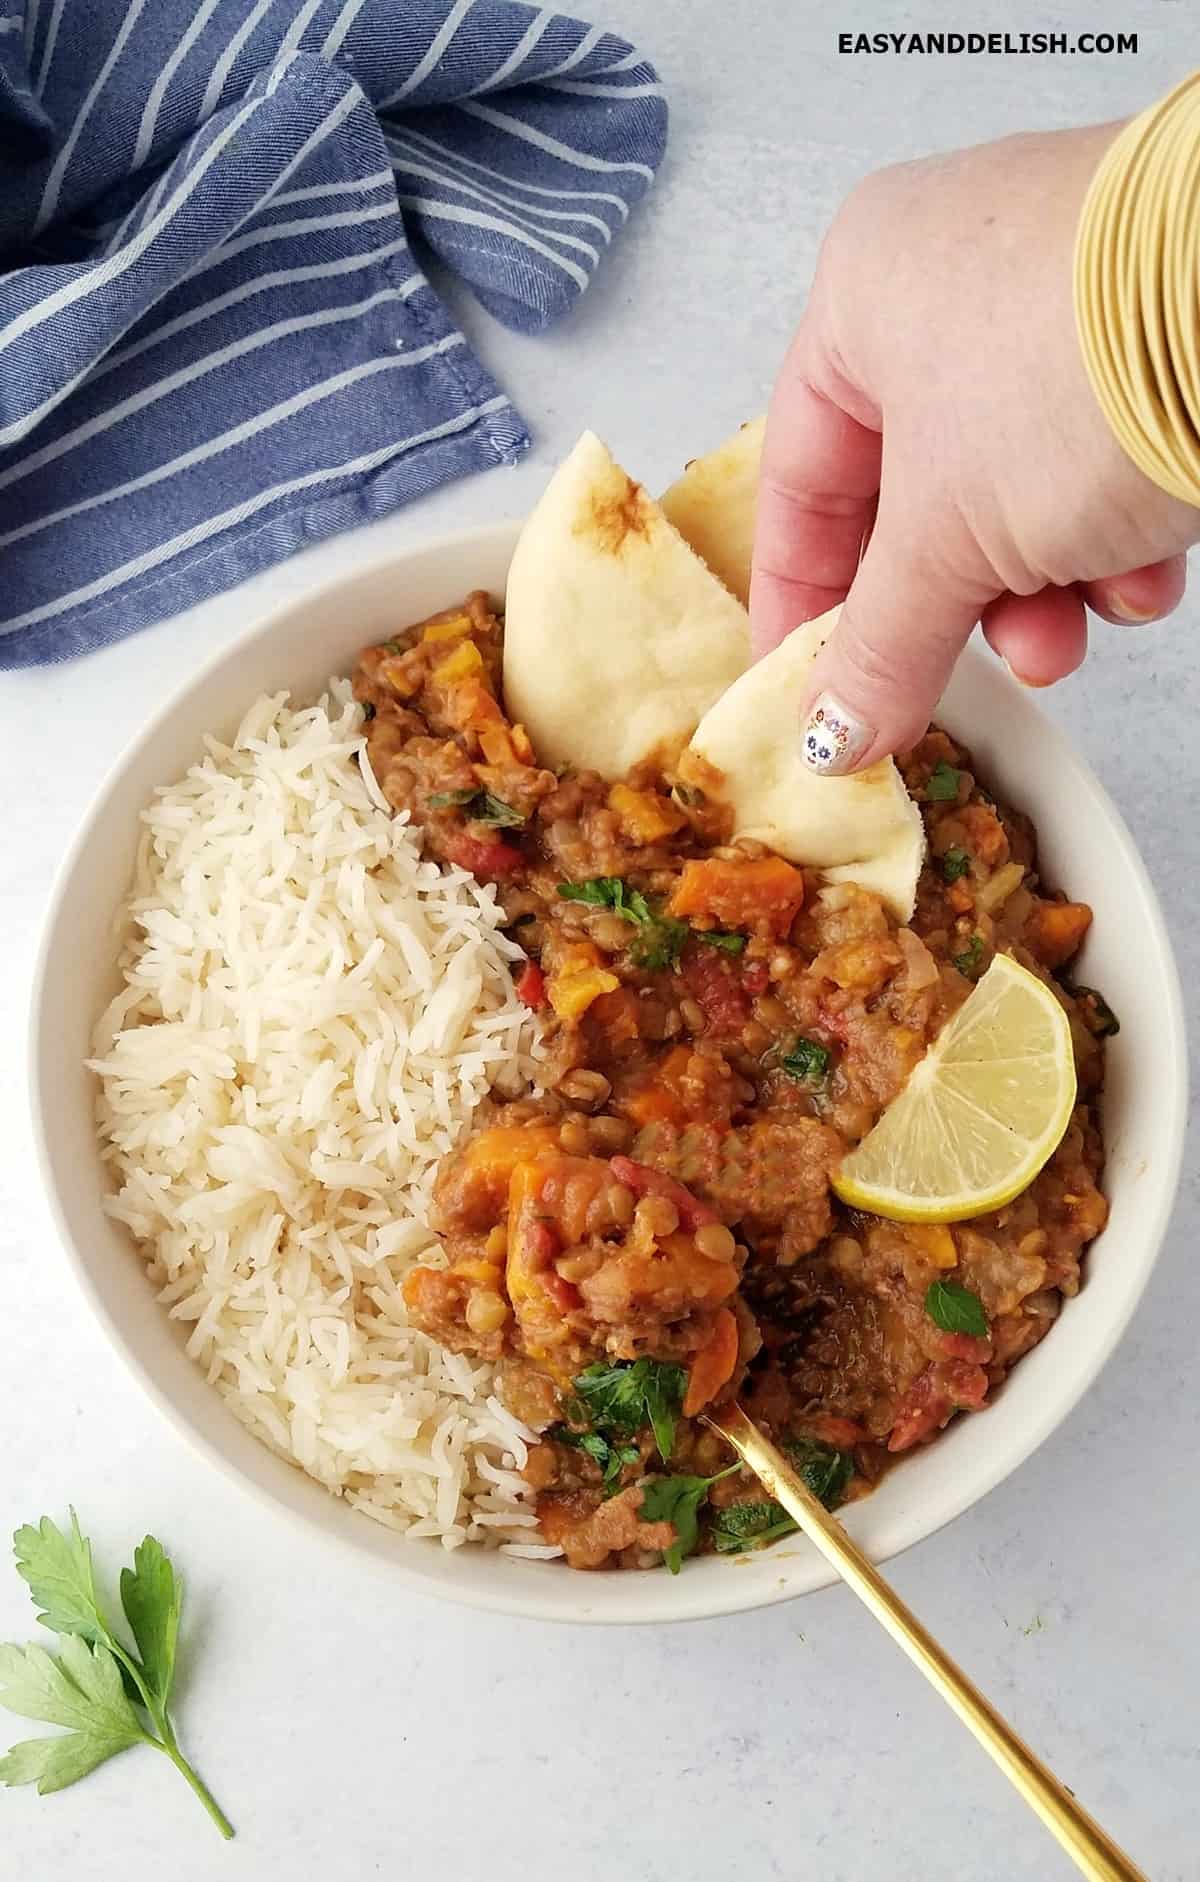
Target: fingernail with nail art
<point x="833" y="740"/>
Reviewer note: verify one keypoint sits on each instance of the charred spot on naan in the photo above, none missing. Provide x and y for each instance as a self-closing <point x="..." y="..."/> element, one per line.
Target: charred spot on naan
<point x="613" y="516"/>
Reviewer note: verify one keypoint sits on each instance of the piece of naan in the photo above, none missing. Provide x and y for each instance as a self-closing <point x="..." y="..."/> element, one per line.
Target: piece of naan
<point x="713" y="506"/>
<point x="864" y="828"/>
<point x="618" y="638"/>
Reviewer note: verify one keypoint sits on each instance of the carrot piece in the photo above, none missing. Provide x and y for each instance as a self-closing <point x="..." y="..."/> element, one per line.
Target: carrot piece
<point x="713" y="1365"/>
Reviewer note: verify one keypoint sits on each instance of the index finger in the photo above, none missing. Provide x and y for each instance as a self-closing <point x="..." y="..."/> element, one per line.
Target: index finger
<point x="817" y="491"/>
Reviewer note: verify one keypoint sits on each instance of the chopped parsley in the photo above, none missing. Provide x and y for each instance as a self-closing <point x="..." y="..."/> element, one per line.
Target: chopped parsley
<point x="660" y="940"/>
<point x="968" y="961"/>
<point x="824" y="1470"/>
<point x="717" y="938"/>
<point x="942" y="787"/>
<point x="956" y="1309"/>
<point x="955" y="863"/>
<point x="480" y="807"/>
<point x="599" y="892"/>
<point x="368" y="712"/>
<point x="623" y="1398"/>
<point x="677" y="1500"/>
<point x="807" y="1061"/>
<point x="743" y="1526"/>
<point x="611" y="1458"/>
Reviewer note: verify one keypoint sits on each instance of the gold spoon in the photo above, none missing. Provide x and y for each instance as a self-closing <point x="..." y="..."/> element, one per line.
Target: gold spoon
<point x="1093" y="1854"/>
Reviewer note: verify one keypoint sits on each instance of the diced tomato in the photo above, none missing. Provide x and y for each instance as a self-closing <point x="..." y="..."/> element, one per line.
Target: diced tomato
<point x="755" y="977"/>
<point x="487" y="858"/>
<point x="947" y="1386"/>
<point x="718" y="988"/>
<point x="563" y="1293"/>
<point x="531" y="985"/>
<point x="643" y="1181"/>
<point x="964" y="1346"/>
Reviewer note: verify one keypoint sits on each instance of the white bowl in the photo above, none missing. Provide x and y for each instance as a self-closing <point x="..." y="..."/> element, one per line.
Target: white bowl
<point x="1085" y="847"/>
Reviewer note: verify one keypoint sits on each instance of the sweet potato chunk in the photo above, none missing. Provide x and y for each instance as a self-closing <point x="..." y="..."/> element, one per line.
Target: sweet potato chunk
<point x="741" y="894"/>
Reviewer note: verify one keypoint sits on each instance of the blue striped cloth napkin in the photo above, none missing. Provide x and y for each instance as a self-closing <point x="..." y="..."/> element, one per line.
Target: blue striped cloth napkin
<point x="217" y="344"/>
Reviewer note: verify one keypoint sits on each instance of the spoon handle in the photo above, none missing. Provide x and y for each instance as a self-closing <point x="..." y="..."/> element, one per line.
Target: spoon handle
<point x="1093" y="1853"/>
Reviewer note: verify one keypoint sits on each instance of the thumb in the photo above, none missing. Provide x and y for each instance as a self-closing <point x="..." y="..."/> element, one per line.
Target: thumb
<point x="878" y="678"/>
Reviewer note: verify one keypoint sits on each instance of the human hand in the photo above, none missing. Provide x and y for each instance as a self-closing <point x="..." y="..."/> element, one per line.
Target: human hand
<point x="935" y="397"/>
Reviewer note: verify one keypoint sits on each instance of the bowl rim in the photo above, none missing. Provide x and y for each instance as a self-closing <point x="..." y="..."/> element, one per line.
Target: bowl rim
<point x="514" y="1594"/>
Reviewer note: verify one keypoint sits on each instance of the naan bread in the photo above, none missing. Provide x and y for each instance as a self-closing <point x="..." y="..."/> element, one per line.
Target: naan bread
<point x="713" y="506"/>
<point x="617" y="637"/>
<point x="863" y="829"/>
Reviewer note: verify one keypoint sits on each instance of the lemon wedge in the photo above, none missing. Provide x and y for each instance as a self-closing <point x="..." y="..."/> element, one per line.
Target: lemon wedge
<point x="983" y="1111"/>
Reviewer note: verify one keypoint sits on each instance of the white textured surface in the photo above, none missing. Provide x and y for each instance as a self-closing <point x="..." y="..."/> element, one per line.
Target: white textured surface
<point x="350" y="1736"/>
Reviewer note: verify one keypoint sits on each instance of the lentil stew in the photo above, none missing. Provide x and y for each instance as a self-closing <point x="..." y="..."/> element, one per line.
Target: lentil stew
<point x="655" y="1231"/>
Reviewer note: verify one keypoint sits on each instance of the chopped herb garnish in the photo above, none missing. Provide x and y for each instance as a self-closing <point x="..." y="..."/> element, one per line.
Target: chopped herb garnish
<point x="743" y="1526"/>
<point x="689" y="795"/>
<point x="660" y="944"/>
<point x="393" y="646"/>
<point x="1097" y="1013"/>
<point x="611" y="1458"/>
<point x="368" y="712"/>
<point x="942" y="787"/>
<point x="677" y="1500"/>
<point x="717" y="938"/>
<point x="444" y="800"/>
<point x="626" y="1397"/>
<point x="807" y="1061"/>
<point x="480" y="807"/>
<point x="968" y="961"/>
<point x="956" y="1309"/>
<point x="955" y="863"/>
<point x="599" y="892"/>
<point x="494" y="812"/>
<point x="825" y="1471"/>
<point x="661" y="940"/>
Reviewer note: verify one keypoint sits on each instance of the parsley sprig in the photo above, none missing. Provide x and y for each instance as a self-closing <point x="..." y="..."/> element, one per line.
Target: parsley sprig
<point x="677" y="1500"/>
<point x="660" y="940"/>
<point x="824" y="1470"/>
<point x="623" y="1398"/>
<point x="106" y="1695"/>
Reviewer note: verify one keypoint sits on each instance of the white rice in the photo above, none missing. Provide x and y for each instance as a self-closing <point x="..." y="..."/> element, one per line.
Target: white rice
<point x="310" y="1016"/>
